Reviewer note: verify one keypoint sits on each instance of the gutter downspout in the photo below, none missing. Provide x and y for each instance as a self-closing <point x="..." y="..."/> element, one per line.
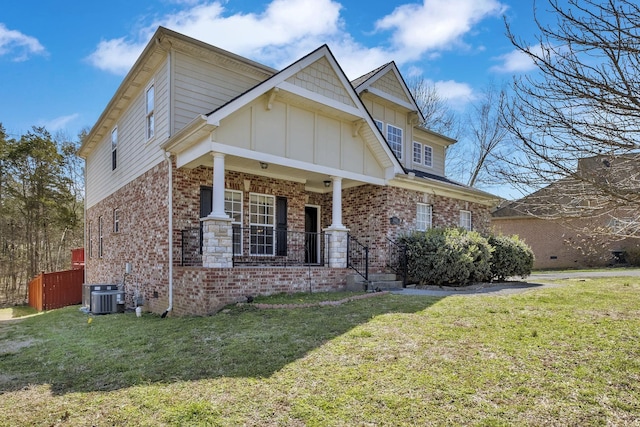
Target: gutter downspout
<point x="170" y="193"/>
<point x="170" y="199"/>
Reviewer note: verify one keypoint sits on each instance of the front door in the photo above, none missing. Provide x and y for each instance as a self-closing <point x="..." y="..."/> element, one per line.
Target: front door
<point x="312" y="237"/>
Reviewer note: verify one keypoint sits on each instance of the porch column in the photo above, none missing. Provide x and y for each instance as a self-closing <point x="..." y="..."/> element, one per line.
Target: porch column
<point x="337" y="233"/>
<point x="217" y="234"/>
<point x="217" y="210"/>
<point x="336" y="214"/>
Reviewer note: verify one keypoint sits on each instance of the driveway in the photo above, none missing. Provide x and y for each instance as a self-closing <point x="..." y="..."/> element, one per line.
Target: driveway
<point x="535" y="281"/>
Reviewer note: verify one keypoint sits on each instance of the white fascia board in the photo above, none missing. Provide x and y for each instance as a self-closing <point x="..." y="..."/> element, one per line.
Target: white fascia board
<point x="296" y="164"/>
<point x="446" y="190"/>
<point x="194" y="152"/>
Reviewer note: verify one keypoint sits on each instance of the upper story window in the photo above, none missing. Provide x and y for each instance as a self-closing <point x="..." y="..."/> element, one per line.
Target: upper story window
<point x="422" y="154"/>
<point x="428" y="156"/>
<point x="424" y="215"/>
<point x="151" y="101"/>
<point x="380" y="125"/>
<point x="417" y="153"/>
<point x="114" y="148"/>
<point x="116" y="220"/>
<point x="394" y="138"/>
<point x="465" y="220"/>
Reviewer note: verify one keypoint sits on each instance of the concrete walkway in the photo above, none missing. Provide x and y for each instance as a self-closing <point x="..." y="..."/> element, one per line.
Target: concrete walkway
<point x="535" y="281"/>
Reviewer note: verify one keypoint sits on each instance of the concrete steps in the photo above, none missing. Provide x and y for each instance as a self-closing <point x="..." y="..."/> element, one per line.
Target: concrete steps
<point x="377" y="281"/>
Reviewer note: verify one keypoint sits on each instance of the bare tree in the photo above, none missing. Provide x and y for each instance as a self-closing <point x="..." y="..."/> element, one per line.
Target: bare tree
<point x="576" y="122"/>
<point x="437" y="114"/>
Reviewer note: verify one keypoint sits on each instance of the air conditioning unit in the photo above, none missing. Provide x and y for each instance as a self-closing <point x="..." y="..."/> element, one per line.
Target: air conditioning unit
<point x="88" y="289"/>
<point x="104" y="302"/>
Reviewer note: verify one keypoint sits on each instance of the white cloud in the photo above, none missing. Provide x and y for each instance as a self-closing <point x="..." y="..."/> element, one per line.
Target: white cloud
<point x="514" y="62"/>
<point x="284" y="27"/>
<point x="60" y="123"/>
<point x="286" y="30"/>
<point x="455" y="93"/>
<point x="435" y="24"/>
<point x="19" y="45"/>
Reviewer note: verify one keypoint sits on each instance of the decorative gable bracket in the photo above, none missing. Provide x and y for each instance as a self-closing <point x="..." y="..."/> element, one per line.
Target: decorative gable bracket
<point x="413" y="119"/>
<point x="356" y="126"/>
<point x="271" y="96"/>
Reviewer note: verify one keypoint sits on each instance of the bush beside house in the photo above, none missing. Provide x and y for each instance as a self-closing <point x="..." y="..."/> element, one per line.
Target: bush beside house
<point x="454" y="256"/>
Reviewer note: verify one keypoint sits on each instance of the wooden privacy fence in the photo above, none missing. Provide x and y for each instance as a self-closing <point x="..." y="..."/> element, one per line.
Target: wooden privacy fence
<point x="48" y="291"/>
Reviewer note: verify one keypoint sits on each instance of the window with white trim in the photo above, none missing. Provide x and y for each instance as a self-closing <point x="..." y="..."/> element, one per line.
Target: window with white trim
<point x="465" y="220"/>
<point x="150" y="102"/>
<point x="394" y="138"/>
<point x="424" y="215"/>
<point x="261" y="222"/>
<point x="417" y="153"/>
<point x="116" y="220"/>
<point x="100" y="238"/>
<point x="428" y="156"/>
<point x="114" y="148"/>
<point x="380" y="125"/>
<point x="233" y="208"/>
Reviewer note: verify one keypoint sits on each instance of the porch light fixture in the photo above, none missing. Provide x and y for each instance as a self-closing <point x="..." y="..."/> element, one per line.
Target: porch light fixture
<point x="264" y="165"/>
<point x="394" y="220"/>
<point x="327" y="183"/>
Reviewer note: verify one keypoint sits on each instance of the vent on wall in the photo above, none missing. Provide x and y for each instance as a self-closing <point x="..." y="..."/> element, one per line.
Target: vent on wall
<point x="104" y="302"/>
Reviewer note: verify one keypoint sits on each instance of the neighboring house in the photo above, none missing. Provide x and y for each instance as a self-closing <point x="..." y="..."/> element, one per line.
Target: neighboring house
<point x="260" y="181"/>
<point x="570" y="224"/>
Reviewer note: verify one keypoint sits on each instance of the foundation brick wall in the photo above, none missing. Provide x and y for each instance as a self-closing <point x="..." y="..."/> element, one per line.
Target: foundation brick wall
<point x="203" y="291"/>
<point x="143" y="241"/>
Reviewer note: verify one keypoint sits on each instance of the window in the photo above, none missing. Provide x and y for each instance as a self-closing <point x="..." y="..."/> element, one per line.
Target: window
<point x="114" y="148"/>
<point x="424" y="216"/>
<point x="465" y="220"/>
<point x="233" y="208"/>
<point x="89" y="240"/>
<point x="428" y="156"/>
<point x="100" y="247"/>
<point x="261" y="221"/>
<point x="417" y="153"/>
<point x="380" y="125"/>
<point x="150" y="110"/>
<point x="394" y="138"/>
<point x="116" y="220"/>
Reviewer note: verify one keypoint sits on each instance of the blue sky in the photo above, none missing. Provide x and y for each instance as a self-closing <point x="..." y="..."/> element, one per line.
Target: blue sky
<point x="60" y="62"/>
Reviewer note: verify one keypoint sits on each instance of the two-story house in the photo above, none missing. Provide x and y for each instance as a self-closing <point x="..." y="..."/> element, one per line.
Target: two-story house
<point x="212" y="177"/>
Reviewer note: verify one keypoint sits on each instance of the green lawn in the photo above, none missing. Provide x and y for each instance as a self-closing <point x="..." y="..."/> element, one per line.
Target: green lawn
<point x="566" y="355"/>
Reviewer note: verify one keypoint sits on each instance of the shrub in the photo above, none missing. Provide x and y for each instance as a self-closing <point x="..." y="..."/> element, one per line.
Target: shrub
<point x="632" y="256"/>
<point x="510" y="257"/>
<point x="447" y="256"/>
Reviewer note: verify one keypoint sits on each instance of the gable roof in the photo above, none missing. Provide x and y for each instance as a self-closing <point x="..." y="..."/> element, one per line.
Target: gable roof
<point x="367" y="83"/>
<point x="349" y="102"/>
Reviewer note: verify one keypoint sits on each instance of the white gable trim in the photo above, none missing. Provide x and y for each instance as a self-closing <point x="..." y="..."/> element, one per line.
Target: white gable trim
<point x="314" y="96"/>
<point x="381" y="94"/>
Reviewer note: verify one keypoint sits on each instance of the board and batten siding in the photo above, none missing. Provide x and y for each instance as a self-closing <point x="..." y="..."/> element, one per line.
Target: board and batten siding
<point x="199" y="87"/>
<point x="136" y="155"/>
<point x="293" y="132"/>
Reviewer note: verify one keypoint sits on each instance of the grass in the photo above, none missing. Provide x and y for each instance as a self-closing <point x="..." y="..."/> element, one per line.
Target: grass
<point x="565" y="355"/>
